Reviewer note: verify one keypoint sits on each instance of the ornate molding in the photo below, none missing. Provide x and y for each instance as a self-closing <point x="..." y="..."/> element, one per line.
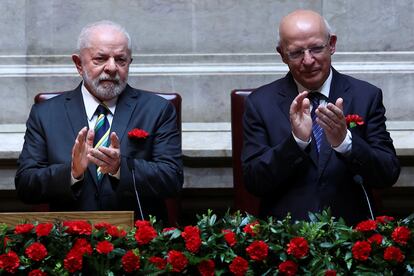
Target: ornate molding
<point x="208" y="64"/>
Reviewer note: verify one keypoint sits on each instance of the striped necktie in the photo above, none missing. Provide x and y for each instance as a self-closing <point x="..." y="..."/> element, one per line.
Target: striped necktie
<point x="101" y="132"/>
<point x="314" y="98"/>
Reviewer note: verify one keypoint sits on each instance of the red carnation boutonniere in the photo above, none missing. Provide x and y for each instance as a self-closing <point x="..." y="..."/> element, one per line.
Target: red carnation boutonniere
<point x="353" y="120"/>
<point x="137" y="133"/>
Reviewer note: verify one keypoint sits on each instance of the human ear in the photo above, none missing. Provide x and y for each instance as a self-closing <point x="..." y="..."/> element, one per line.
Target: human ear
<point x="78" y="63"/>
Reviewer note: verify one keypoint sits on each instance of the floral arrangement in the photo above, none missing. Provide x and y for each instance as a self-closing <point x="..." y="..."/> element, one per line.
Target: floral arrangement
<point x="353" y="120"/>
<point x="234" y="245"/>
<point x="137" y="133"/>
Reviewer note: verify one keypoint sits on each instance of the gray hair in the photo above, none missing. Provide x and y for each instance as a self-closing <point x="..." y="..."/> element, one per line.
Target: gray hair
<point x="83" y="39"/>
<point x="327" y="26"/>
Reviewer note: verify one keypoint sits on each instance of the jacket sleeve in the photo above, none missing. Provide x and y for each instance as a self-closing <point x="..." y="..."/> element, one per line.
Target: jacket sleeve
<point x="268" y="167"/>
<point x="36" y="179"/>
<point x="373" y="155"/>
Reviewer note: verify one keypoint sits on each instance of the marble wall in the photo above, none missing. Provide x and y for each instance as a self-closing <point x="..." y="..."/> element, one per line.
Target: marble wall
<point x="201" y="49"/>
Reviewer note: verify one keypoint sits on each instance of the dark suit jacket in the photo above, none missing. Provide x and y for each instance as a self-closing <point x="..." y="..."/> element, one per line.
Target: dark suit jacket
<point x="44" y="172"/>
<point x="289" y="179"/>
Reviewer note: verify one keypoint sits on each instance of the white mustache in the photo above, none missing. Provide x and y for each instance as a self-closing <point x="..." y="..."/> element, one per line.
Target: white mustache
<point x="108" y="78"/>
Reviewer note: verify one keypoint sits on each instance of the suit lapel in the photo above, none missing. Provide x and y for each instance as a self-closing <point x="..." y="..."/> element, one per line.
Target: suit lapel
<point x="288" y="92"/>
<point x="339" y="89"/>
<point x="75" y="110"/>
<point x="123" y="113"/>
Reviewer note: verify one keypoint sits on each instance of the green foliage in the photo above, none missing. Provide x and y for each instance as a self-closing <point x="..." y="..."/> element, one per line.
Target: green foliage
<point x="316" y="247"/>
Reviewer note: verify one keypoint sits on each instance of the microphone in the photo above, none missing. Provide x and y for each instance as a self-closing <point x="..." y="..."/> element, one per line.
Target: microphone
<point x="130" y="163"/>
<point x="358" y="179"/>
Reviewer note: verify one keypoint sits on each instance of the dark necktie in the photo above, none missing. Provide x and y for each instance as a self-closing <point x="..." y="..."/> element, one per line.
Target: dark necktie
<point x="101" y="132"/>
<point x="314" y="98"/>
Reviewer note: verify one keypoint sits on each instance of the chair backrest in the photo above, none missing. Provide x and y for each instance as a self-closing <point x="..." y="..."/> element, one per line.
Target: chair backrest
<point x="173" y="204"/>
<point x="243" y="200"/>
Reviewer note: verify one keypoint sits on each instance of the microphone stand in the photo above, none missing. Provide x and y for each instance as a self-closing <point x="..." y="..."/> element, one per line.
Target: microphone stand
<point x="131" y="167"/>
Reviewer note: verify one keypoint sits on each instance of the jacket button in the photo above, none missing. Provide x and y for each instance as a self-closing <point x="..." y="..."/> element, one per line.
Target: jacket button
<point x="96" y="196"/>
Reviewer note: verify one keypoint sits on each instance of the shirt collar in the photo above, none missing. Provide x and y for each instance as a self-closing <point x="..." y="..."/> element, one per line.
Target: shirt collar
<point x="91" y="102"/>
<point x="324" y="89"/>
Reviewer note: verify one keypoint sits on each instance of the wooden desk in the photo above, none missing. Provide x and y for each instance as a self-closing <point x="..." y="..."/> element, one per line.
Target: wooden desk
<point x="125" y="219"/>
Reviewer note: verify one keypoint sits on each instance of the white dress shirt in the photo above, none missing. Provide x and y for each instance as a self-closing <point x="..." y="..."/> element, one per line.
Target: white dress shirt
<point x="346" y="146"/>
<point x="91" y="103"/>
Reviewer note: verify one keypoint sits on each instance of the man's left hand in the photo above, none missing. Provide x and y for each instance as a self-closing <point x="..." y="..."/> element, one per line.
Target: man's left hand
<point x="107" y="158"/>
<point x="331" y="118"/>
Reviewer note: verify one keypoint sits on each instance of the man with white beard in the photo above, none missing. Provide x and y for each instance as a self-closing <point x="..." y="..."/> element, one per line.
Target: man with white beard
<point x="82" y="147"/>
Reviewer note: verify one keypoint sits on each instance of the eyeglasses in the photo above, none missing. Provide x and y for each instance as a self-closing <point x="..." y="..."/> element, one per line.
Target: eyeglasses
<point x="313" y="51"/>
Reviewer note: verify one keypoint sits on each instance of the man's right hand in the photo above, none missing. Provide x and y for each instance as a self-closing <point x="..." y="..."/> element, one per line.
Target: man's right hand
<point x="300" y="118"/>
<point x="83" y="143"/>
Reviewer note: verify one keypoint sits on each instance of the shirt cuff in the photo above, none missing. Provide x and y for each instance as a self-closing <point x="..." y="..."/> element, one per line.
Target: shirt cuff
<point x="302" y="144"/>
<point x="346" y="146"/>
<point x="73" y="180"/>
<point x="117" y="175"/>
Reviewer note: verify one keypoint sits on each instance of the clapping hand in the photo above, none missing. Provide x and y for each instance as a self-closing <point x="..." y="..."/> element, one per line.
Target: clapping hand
<point x="300" y="118"/>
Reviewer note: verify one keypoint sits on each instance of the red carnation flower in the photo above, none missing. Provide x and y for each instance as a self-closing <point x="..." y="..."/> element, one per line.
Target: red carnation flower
<point x="401" y="235"/>
<point x="330" y="272"/>
<point x="6" y="241"/>
<point x="73" y="261"/>
<point x="177" y="260"/>
<point x="354" y="120"/>
<point x="23" y="228"/>
<point x="376" y="238"/>
<point x="168" y="229"/>
<point x="361" y="250"/>
<point x="288" y="268"/>
<point x="115" y="231"/>
<point x="102" y="225"/>
<point x="257" y="250"/>
<point x="191" y="236"/>
<point x="252" y="228"/>
<point x="43" y="229"/>
<point x="37" y="272"/>
<point x="298" y="247"/>
<point x="159" y="262"/>
<point x="78" y="227"/>
<point x="230" y="237"/>
<point x="393" y="253"/>
<point x="82" y="246"/>
<point x="137" y="133"/>
<point x="9" y="262"/>
<point x="239" y="266"/>
<point x="111" y="230"/>
<point x="140" y="223"/>
<point x="130" y="261"/>
<point x="206" y="267"/>
<point x="36" y="251"/>
<point x="145" y="234"/>
<point x="366" y="225"/>
<point x="384" y="219"/>
<point x="104" y="247"/>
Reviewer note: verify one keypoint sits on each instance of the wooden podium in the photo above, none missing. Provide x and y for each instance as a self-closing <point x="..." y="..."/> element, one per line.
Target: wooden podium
<point x="125" y="219"/>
